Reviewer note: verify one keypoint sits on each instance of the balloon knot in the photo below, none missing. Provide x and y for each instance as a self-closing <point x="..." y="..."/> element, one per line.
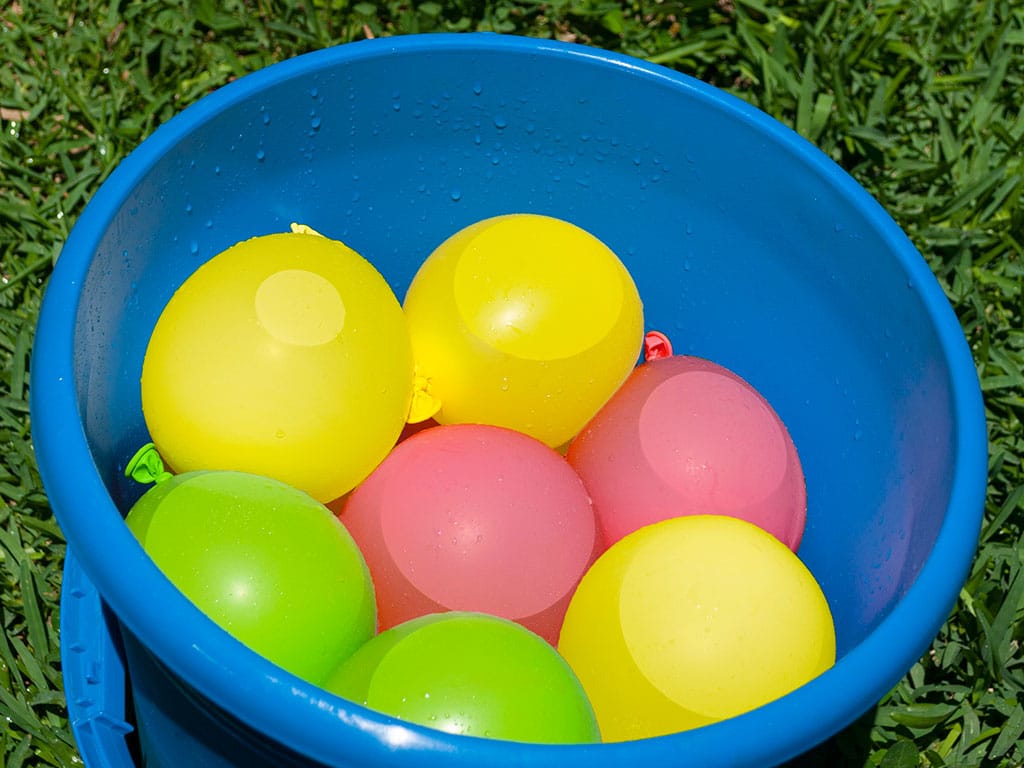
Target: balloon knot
<point x="146" y="466"/>
<point x="303" y="229"/>
<point x="656" y="346"/>
<point x="424" y="405"/>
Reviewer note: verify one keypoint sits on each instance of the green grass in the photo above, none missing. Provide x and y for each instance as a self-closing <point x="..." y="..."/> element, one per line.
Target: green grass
<point x="919" y="101"/>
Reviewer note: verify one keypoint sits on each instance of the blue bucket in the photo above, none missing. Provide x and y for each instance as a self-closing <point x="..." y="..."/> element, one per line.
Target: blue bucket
<point x="748" y="246"/>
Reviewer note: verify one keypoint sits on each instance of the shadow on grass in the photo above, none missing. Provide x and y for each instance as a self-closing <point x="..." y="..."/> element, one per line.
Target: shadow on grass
<point x="850" y="748"/>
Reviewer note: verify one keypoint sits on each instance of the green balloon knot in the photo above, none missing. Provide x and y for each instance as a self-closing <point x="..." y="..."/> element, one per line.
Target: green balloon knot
<point x="146" y="466"/>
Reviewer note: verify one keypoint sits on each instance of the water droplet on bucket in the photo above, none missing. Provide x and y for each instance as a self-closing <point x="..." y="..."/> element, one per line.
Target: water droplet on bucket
<point x="209" y="223"/>
<point x="456" y="194"/>
<point x="314" y="92"/>
<point x="193" y="247"/>
<point x="314" y="122"/>
<point x="500" y="122"/>
<point x="477" y="88"/>
<point x="260" y="155"/>
<point x="188" y="207"/>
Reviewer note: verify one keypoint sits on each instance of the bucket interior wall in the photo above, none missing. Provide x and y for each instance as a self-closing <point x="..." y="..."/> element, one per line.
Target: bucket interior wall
<point x="717" y="232"/>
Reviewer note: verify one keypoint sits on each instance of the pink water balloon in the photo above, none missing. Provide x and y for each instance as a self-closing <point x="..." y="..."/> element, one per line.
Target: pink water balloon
<point x="472" y="517"/>
<point x="686" y="436"/>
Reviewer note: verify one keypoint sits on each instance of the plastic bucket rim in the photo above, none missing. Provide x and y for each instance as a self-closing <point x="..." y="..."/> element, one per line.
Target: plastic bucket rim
<point x="55" y="411"/>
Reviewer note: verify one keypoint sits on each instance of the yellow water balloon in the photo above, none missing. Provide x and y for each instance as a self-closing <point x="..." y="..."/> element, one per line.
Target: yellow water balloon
<point x="286" y="355"/>
<point x="693" y="620"/>
<point x="523" y="321"/>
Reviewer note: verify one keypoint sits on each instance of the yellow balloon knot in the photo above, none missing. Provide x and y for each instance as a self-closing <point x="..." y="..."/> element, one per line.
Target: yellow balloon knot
<point x="424" y="405"/>
<point x="303" y="229"/>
